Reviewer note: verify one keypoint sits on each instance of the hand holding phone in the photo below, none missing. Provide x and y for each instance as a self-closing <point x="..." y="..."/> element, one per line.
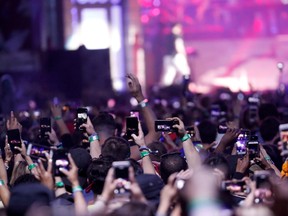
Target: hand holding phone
<point x="283" y="129"/>
<point x="131" y="127"/>
<point x="38" y="151"/>
<point x="60" y="161"/>
<point x="45" y="126"/>
<point x="121" y="175"/>
<point x="166" y="125"/>
<point x="241" y="143"/>
<point x="82" y="115"/>
<point x="14" y="140"/>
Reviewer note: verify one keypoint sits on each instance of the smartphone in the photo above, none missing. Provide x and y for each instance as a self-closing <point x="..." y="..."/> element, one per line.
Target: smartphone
<point x="45" y="126"/>
<point x="165" y="125"/>
<point x="253" y="147"/>
<point x="131" y="126"/>
<point x="235" y="186"/>
<point x="14" y="139"/>
<point x="121" y="174"/>
<point x="82" y="115"/>
<point x="241" y="143"/>
<point x="38" y="151"/>
<point x="283" y="129"/>
<point x="60" y="160"/>
<point x="222" y="128"/>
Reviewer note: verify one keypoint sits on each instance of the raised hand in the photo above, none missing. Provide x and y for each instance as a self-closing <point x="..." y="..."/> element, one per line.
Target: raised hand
<point x="134" y="87"/>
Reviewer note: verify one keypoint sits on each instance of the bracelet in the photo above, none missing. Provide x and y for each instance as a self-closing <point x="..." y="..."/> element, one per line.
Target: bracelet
<point x="144" y="153"/>
<point x="31" y="166"/>
<point x="143" y="148"/>
<point x="76" y="189"/>
<point x="2" y="182"/>
<point x="57" y="118"/>
<point x="185" y="137"/>
<point x="143" y="103"/>
<point x="93" y="138"/>
<point x="59" y="184"/>
<point x="59" y="145"/>
<point x="202" y="203"/>
<point x="267" y="158"/>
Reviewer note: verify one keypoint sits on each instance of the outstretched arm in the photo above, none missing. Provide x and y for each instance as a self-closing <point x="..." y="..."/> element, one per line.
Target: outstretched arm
<point x="149" y="116"/>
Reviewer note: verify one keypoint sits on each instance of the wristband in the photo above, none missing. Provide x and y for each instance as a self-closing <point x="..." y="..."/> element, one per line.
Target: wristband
<point x="76" y="189"/>
<point x="185" y="137"/>
<point x="2" y="182"/>
<point x="143" y="148"/>
<point x="93" y="137"/>
<point x="59" y="184"/>
<point x="59" y="145"/>
<point x="57" y="118"/>
<point x="143" y="103"/>
<point x="144" y="153"/>
<point x="31" y="166"/>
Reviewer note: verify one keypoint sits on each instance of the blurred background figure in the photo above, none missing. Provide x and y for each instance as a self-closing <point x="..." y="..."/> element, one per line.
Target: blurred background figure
<point x="175" y="64"/>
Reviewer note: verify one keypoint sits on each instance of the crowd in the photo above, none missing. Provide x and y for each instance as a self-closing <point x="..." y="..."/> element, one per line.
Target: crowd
<point x="213" y="155"/>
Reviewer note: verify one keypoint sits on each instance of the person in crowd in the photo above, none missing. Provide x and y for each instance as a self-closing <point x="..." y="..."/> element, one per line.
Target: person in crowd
<point x="98" y="171"/>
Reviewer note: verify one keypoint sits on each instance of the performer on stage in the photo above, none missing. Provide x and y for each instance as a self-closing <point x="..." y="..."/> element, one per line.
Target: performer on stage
<point x="175" y="64"/>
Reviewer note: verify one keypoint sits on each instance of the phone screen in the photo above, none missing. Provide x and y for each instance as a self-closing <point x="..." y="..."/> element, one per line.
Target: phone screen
<point x="45" y="126"/>
<point x="254" y="149"/>
<point x="14" y="139"/>
<point x="165" y="126"/>
<point x="283" y="128"/>
<point x="241" y="143"/>
<point x="82" y="115"/>
<point x="121" y="170"/>
<point x="37" y="151"/>
<point x="235" y="186"/>
<point x="60" y="160"/>
<point x="131" y="127"/>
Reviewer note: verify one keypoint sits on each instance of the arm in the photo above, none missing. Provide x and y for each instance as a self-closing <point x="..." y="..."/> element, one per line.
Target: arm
<point x="95" y="147"/>
<point x="191" y="154"/>
<point x="148" y="114"/>
<point x="168" y="193"/>
<point x="57" y="115"/>
<point x="72" y="175"/>
<point x="147" y="165"/>
<point x="4" y="192"/>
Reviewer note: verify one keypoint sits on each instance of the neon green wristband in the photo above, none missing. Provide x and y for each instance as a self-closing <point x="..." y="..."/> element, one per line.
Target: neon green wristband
<point x="57" y="118"/>
<point x="93" y="137"/>
<point x="185" y="137"/>
<point x="59" y="184"/>
<point x="144" y="153"/>
<point x="76" y="189"/>
<point x="2" y="182"/>
<point x="31" y="166"/>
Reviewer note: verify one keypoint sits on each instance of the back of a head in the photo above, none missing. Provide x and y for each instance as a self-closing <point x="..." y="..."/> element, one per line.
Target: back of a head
<point x="97" y="172"/>
<point x="104" y="123"/>
<point x="116" y="148"/>
<point x="171" y="163"/>
<point x="25" y="196"/>
<point x="267" y="110"/>
<point x="158" y="148"/>
<point x="133" y="208"/>
<point x="208" y="131"/>
<point x="25" y="179"/>
<point x="269" y="128"/>
<point x="218" y="161"/>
